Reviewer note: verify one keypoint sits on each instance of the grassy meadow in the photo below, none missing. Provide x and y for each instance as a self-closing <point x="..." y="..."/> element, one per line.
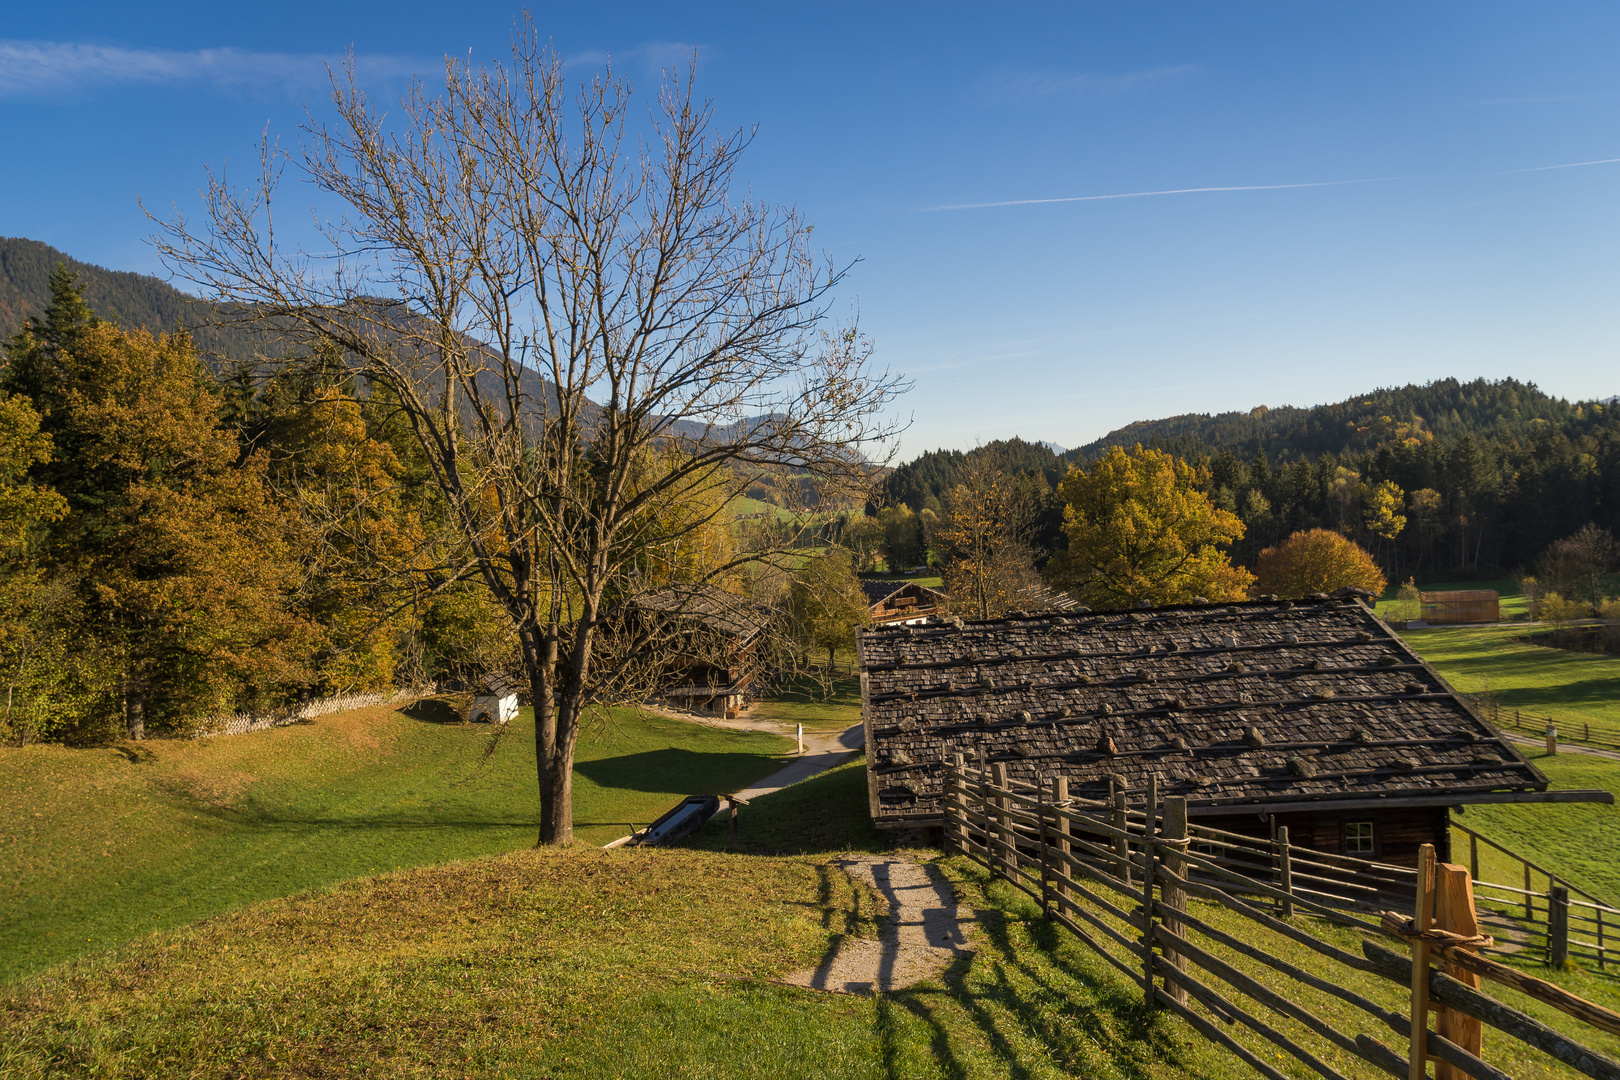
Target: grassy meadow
<point x="636" y="964"/>
<point x="99" y="846"/>
<point x="1504" y="672"/>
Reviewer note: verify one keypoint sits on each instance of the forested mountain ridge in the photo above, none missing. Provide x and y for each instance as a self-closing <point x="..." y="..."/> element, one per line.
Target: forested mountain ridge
<point x="1444" y="409"/>
<point x="129" y="300"/>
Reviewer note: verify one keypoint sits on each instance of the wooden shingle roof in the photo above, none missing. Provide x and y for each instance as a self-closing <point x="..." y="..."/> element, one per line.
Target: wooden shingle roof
<point x="1231" y="705"/>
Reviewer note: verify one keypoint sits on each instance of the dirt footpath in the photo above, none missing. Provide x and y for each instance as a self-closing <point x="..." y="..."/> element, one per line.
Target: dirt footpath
<point x="922" y="936"/>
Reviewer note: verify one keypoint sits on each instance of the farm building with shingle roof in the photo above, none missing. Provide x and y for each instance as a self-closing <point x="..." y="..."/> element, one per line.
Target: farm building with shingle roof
<point x="1311" y="714"/>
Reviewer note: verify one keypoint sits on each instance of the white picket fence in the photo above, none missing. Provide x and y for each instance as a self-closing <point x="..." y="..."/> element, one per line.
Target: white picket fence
<point x="243" y="722"/>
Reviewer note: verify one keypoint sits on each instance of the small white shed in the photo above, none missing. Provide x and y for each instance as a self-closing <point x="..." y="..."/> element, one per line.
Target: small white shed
<point x="495" y="701"/>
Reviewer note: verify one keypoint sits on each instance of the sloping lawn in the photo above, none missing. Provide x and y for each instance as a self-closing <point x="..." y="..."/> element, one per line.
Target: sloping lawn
<point x="1493" y="665"/>
<point x="98" y="846"/>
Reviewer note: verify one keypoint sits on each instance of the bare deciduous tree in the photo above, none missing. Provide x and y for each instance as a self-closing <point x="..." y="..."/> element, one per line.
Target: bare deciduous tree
<point x="588" y="336"/>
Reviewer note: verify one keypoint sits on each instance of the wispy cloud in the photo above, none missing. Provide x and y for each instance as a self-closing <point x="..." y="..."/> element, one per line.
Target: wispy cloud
<point x="1167" y="191"/>
<point x="650" y="56"/>
<point x="1018" y="84"/>
<point x="39" y="68"/>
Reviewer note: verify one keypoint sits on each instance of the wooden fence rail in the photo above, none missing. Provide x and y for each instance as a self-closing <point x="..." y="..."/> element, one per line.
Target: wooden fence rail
<point x="1119" y="877"/>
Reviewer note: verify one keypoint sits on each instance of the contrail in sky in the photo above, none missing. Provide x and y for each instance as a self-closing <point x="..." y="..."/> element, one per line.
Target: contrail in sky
<point x="1171" y="191"/>
<point x="1571" y="165"/>
<point x="1239" y="187"/>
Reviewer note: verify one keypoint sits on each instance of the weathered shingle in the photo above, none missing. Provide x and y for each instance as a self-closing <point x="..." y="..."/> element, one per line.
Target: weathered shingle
<point x="1227" y="704"/>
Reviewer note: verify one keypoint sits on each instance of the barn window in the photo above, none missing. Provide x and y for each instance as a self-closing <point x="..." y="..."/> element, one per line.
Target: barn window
<point x="1358" y="838"/>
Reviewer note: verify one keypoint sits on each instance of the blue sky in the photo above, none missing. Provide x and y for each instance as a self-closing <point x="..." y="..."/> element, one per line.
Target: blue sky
<point x="1394" y="192"/>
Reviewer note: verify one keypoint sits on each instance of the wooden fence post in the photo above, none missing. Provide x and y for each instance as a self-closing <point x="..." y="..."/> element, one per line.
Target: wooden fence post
<point x="1529" y="901"/>
<point x="1175" y="897"/>
<point x="1558" y="927"/>
<point x="1416" y="1065"/>
<point x="1285" y="870"/>
<point x="1473" y="856"/>
<point x="1454" y="911"/>
<point x="958" y="780"/>
<point x="1006" y="856"/>
<point x="1122" y="846"/>
<point x="1060" y="796"/>
<point x="1150" y="860"/>
<point x="1041" y="860"/>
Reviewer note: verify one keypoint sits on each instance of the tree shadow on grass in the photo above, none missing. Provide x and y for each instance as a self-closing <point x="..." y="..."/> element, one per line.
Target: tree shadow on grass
<point x="433" y="711"/>
<point x="675" y="770"/>
<point x="1034" y="1007"/>
<point x="826" y="813"/>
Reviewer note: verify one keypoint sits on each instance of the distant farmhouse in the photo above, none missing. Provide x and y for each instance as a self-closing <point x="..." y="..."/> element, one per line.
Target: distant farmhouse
<point x="1310" y="714"/>
<point x="710" y="637"/>
<point x="903" y="602"/>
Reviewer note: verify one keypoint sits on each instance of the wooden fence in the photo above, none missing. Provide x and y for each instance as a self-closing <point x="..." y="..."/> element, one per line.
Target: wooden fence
<point x="1562" y="927"/>
<point x="243" y="722"/>
<point x="1571" y="731"/>
<point x="1120" y="878"/>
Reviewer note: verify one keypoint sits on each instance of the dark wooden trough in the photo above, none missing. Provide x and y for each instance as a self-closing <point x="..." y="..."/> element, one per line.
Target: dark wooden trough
<point x="686" y="818"/>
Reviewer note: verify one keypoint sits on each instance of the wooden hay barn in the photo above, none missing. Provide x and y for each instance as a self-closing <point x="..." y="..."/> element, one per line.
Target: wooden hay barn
<point x="903" y="602"/>
<point x="1311" y="714"/>
<point x="708" y="637"/>
<point x="1461" y="606"/>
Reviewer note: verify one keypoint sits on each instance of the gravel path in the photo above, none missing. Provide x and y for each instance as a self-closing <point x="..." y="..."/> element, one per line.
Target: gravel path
<point x="1563" y="747"/>
<point x="923" y="934"/>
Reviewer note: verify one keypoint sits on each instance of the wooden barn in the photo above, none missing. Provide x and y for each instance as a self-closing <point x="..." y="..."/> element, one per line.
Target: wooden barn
<point x="1460" y="606"/>
<point x="901" y="602"/>
<point x="707" y="637"/>
<point x="1311" y="714"/>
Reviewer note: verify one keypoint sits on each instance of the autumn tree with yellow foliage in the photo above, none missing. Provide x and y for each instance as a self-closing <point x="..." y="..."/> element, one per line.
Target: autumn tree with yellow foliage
<point x="1141" y="530"/>
<point x="1317" y="561"/>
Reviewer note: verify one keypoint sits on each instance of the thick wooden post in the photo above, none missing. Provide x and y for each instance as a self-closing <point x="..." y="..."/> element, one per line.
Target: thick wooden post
<point x="1422" y="909"/>
<point x="1552" y="738"/>
<point x="1529" y="901"/>
<point x="1041" y="843"/>
<point x="1122" y="846"/>
<point x="956" y="825"/>
<point x="1473" y="856"/>
<point x="1285" y="871"/>
<point x="1006" y="853"/>
<point x="1558" y="927"/>
<point x="1454" y="911"/>
<point x="1060" y="798"/>
<point x="1150" y="861"/>
<point x="1175" y="897"/>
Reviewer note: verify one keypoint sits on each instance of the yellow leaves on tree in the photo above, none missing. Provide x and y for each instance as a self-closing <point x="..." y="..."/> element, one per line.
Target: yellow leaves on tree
<point x="1142" y="531"/>
<point x="24" y="506"/>
<point x="177" y="545"/>
<point x="358" y="541"/>
<point x="1317" y="560"/>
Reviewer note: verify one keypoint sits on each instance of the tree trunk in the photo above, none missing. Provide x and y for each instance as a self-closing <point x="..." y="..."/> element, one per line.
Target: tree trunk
<point x="135" y="716"/>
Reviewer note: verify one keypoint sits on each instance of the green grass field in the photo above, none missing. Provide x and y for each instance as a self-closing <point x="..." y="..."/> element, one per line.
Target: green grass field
<point x="832" y="706"/>
<point x="632" y="964"/>
<point x="98" y="846"/>
<point x="1508" y="674"/>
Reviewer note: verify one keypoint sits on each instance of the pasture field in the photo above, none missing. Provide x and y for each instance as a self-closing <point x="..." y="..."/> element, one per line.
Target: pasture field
<point x="629" y="964"/>
<point x="1503" y="672"/>
<point x="99" y="846"/>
